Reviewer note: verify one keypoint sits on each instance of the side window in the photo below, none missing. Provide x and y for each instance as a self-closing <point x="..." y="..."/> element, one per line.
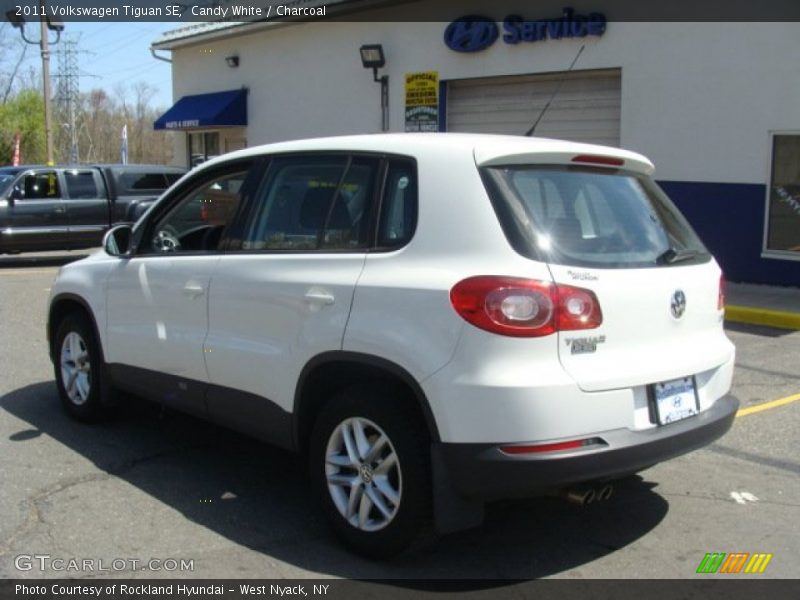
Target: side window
<point x="133" y="183"/>
<point x="314" y="203"/>
<point x="399" y="207"/>
<point x="81" y="184"/>
<point x="42" y="186"/>
<point x="196" y="223"/>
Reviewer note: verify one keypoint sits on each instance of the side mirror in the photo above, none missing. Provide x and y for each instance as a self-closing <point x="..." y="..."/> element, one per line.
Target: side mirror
<point x="117" y="241"/>
<point x="16" y="194"/>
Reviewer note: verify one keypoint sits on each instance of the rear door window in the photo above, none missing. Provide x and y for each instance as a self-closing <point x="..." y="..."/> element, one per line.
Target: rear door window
<point x="314" y="203"/>
<point x="81" y="184"/>
<point x="590" y="217"/>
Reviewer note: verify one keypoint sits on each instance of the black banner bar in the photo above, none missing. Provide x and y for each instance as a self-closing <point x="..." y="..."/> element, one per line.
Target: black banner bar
<point x="705" y="587"/>
<point x="221" y="11"/>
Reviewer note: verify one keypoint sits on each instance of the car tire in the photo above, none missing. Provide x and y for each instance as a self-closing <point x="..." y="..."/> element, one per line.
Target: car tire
<point x="369" y="460"/>
<point x="80" y="372"/>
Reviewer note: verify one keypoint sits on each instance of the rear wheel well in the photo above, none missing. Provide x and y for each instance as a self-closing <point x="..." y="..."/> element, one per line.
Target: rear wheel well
<point x="321" y="381"/>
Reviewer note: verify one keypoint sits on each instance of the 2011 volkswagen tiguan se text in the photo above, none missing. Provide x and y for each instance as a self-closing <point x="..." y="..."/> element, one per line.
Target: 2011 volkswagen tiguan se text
<point x="435" y="320"/>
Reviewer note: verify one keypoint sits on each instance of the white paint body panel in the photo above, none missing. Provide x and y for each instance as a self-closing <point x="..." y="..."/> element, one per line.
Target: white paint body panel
<point x="268" y="318"/>
<point x="157" y="313"/>
<point x="644" y="343"/>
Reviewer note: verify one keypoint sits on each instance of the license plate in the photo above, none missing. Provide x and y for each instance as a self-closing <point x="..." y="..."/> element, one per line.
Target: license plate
<point x="675" y="400"/>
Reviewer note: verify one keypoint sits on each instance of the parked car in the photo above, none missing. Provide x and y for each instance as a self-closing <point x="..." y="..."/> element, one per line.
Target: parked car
<point x="69" y="207"/>
<point x="435" y="320"/>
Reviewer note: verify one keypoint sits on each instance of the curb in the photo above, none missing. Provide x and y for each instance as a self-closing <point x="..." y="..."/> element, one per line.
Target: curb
<point x="762" y="316"/>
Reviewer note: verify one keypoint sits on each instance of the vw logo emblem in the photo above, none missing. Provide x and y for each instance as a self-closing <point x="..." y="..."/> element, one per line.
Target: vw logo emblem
<point x="366" y="473"/>
<point x="470" y="34"/>
<point x="678" y="304"/>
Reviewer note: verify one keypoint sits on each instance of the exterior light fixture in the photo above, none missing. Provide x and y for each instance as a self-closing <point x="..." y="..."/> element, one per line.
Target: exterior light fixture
<point x="17" y="21"/>
<point x="372" y="57"/>
<point x="55" y="24"/>
<point x="232" y="61"/>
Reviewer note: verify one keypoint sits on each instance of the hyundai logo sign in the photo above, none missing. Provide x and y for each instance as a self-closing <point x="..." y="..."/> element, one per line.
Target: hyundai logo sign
<point x="473" y="33"/>
<point x="470" y="34"/>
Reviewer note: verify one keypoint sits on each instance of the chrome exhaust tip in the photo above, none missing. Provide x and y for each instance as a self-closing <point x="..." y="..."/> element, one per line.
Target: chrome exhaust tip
<point x="605" y="492"/>
<point x="579" y="496"/>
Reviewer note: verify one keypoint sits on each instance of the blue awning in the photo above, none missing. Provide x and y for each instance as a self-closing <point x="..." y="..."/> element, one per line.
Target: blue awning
<point x="220" y="109"/>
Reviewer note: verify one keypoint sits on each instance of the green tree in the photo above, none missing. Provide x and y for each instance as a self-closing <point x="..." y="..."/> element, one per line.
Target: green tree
<point x="23" y="113"/>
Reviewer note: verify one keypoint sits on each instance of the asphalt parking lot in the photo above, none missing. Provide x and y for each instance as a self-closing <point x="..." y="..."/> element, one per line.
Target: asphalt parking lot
<point x="159" y="485"/>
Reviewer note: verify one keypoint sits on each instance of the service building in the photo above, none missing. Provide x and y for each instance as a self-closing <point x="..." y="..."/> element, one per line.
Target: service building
<point x="715" y="105"/>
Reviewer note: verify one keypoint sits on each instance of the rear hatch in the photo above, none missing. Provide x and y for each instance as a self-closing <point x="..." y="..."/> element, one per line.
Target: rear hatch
<point x="600" y="223"/>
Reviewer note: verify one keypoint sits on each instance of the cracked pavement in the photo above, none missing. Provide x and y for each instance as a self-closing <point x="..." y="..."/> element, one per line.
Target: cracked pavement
<point x="157" y="484"/>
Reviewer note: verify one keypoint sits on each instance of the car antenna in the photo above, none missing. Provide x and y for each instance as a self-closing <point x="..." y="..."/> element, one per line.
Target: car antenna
<point x="555" y="93"/>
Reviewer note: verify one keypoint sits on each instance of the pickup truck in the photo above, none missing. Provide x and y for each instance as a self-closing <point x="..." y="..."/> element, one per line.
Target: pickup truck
<point x="70" y="207"/>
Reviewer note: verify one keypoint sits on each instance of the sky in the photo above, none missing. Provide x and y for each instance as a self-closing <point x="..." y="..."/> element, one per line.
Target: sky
<point x="114" y="53"/>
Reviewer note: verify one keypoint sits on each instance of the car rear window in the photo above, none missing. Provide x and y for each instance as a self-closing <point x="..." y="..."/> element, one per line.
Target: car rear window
<point x="590" y="217"/>
<point x="131" y="183"/>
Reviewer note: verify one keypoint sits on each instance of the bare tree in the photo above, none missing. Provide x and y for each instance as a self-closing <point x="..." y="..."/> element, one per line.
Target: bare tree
<point x="102" y="117"/>
<point x="9" y="79"/>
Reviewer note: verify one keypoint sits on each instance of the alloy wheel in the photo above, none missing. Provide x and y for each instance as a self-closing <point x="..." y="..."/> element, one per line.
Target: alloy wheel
<point x="76" y="368"/>
<point x="363" y="474"/>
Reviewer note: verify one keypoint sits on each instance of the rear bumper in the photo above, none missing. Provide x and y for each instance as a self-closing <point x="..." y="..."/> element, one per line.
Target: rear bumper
<point x="484" y="472"/>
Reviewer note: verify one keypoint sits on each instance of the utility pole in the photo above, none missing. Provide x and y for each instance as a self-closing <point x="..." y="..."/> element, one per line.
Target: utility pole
<point x="48" y="113"/>
<point x="46" y="23"/>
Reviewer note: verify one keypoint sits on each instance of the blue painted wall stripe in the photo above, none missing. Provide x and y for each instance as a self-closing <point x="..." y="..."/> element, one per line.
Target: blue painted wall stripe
<point x="729" y="218"/>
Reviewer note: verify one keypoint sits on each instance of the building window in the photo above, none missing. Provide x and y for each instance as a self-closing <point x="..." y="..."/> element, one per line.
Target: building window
<point x="783" y="199"/>
<point x="202" y="146"/>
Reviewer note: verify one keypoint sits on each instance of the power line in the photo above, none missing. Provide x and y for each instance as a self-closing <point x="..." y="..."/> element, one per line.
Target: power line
<point x="124" y="42"/>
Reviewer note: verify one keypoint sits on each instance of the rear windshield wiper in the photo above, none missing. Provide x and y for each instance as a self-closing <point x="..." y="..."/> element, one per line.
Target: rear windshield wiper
<point x="671" y="256"/>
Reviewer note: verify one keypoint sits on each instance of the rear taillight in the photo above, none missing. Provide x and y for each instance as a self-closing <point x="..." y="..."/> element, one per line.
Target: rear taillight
<point x="721" y="296"/>
<point x="524" y="307"/>
<point x="577" y="309"/>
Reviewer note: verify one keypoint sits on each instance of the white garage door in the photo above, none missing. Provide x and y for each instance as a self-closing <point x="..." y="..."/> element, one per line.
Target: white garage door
<point x="586" y="109"/>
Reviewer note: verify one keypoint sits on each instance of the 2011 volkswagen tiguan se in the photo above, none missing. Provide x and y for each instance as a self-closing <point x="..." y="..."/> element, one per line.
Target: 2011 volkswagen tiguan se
<point x="435" y="320"/>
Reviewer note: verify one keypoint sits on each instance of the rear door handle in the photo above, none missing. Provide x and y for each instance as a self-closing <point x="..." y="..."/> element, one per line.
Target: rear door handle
<point x="318" y="296"/>
<point x="193" y="290"/>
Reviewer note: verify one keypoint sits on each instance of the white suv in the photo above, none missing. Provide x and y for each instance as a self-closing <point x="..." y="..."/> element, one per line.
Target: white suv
<point x="437" y="320"/>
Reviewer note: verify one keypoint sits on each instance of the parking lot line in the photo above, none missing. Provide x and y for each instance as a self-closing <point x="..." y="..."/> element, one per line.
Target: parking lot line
<point x="28" y="272"/>
<point x="767" y="405"/>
